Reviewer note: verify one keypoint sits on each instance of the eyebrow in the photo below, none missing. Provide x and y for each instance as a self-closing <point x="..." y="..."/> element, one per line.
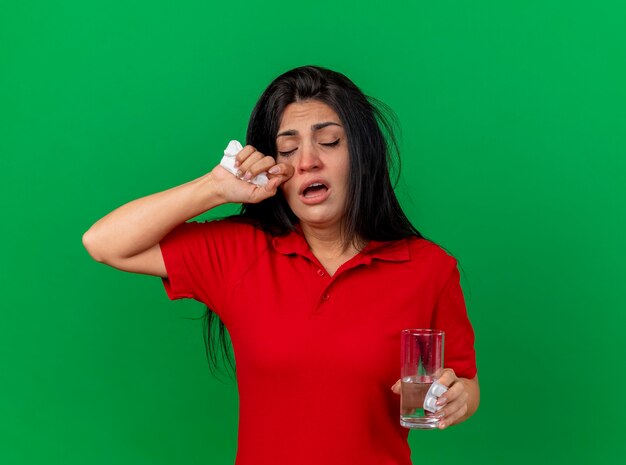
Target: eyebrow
<point x="315" y="127"/>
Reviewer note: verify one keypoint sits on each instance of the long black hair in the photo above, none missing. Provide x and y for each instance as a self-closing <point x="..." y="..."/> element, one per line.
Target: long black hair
<point x="372" y="210"/>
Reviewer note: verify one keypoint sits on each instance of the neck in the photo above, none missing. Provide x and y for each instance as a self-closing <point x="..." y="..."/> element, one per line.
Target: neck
<point x="328" y="243"/>
<point x="323" y="240"/>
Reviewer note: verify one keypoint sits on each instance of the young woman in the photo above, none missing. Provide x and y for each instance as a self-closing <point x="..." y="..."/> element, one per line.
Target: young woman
<point x="314" y="280"/>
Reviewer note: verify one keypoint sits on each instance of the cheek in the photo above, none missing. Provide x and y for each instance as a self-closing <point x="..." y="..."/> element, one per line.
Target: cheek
<point x="288" y="189"/>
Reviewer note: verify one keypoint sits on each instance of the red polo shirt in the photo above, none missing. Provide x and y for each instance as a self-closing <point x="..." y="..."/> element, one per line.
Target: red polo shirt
<point x="317" y="354"/>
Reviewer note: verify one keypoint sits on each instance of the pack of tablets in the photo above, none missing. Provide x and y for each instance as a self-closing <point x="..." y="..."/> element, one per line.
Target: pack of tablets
<point x="430" y="401"/>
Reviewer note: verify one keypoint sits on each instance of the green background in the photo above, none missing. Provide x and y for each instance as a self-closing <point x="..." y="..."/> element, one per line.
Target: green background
<point x="513" y="119"/>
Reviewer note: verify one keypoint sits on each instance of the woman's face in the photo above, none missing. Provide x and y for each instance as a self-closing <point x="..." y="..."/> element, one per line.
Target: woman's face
<point x="311" y="138"/>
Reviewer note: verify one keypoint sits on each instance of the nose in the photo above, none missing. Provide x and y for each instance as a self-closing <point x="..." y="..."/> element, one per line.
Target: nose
<point x="309" y="159"/>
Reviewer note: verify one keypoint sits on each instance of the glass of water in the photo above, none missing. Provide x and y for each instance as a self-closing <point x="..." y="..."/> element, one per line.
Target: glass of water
<point x="421" y="359"/>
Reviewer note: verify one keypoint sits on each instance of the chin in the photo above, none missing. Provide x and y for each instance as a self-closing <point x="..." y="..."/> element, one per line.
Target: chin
<point x="317" y="215"/>
<point x="319" y="220"/>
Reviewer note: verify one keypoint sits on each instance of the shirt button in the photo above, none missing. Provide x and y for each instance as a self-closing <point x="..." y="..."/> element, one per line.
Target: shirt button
<point x="325" y="297"/>
<point x="320" y="272"/>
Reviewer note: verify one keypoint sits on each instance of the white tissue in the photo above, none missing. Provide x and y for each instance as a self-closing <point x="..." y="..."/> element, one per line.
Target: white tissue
<point x="228" y="162"/>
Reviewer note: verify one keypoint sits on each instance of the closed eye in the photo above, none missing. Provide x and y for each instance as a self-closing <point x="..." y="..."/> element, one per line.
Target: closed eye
<point x="286" y="154"/>
<point x="290" y="152"/>
<point x="332" y="144"/>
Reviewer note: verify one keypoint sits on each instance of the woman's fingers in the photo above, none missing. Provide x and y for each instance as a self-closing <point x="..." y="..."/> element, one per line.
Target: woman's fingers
<point x="277" y="174"/>
<point x="453" y="410"/>
<point x="451" y="394"/>
<point x="449" y="401"/>
<point x="453" y="401"/>
<point x="252" y="162"/>
<point x="243" y="155"/>
<point x="246" y="157"/>
<point x="272" y="184"/>
<point x="396" y="387"/>
<point x="256" y="163"/>
<point x="281" y="169"/>
<point x="448" y="377"/>
<point x="263" y="192"/>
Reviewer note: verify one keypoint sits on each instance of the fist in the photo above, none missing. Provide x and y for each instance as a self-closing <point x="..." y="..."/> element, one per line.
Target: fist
<point x="250" y="162"/>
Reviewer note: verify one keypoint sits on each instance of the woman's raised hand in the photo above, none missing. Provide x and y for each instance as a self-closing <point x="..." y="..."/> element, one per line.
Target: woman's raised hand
<point x="250" y="162"/>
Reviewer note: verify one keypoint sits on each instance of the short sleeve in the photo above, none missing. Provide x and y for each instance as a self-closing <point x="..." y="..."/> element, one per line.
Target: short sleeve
<point x="450" y="315"/>
<point x="202" y="260"/>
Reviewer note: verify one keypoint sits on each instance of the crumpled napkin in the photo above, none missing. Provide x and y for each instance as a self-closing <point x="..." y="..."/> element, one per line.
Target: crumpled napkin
<point x="228" y="162"/>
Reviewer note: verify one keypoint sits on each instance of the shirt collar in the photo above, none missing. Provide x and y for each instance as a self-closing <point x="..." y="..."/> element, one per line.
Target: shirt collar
<point x="292" y="243"/>
<point x="392" y="251"/>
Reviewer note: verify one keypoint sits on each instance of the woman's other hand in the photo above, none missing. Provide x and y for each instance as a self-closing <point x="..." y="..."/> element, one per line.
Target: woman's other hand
<point x="250" y="162"/>
<point x="453" y="402"/>
<point x="459" y="402"/>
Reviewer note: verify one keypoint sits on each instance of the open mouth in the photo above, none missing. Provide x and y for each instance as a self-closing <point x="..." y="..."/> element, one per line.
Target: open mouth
<point x="314" y="190"/>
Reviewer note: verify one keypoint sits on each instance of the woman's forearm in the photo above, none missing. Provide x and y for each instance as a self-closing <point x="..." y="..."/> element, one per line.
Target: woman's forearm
<point x="138" y="225"/>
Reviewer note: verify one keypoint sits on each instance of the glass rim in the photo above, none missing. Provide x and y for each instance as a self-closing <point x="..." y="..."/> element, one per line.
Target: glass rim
<point x="423" y="332"/>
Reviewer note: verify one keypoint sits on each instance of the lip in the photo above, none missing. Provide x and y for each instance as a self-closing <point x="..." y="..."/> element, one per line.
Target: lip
<point x="317" y="198"/>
